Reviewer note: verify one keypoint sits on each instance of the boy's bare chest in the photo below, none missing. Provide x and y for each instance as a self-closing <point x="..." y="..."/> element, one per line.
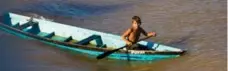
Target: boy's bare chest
<point x="135" y="32"/>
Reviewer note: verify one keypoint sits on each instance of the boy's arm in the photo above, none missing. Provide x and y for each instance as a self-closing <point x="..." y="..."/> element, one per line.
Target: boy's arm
<point x="147" y="34"/>
<point x="126" y="34"/>
<point x="144" y="32"/>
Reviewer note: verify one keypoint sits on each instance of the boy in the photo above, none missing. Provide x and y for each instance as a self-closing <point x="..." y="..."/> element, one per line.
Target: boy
<point x="131" y="36"/>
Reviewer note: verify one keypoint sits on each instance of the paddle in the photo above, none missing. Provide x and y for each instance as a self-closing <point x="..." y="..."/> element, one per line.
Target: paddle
<point x="105" y="54"/>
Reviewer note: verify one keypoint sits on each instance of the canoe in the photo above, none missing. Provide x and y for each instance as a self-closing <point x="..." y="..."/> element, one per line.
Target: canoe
<point x="83" y="41"/>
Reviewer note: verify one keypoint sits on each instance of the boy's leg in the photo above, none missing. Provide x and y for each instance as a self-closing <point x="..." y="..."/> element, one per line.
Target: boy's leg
<point x="133" y="47"/>
<point x="138" y="47"/>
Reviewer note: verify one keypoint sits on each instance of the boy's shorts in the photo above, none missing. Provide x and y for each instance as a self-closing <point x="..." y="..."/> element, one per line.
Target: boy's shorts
<point x="137" y="47"/>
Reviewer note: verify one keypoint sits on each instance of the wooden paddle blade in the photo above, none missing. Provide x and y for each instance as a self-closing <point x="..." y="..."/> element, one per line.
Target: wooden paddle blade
<point x="105" y="54"/>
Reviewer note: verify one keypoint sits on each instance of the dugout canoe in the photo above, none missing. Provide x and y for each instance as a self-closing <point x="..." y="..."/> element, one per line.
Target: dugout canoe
<point x="82" y="41"/>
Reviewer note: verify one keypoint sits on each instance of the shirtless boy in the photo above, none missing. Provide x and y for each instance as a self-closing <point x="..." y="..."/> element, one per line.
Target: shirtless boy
<point x="131" y="36"/>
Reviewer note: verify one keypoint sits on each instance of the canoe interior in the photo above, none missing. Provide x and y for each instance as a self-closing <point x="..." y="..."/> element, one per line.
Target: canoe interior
<point x="71" y="34"/>
<point x="61" y="39"/>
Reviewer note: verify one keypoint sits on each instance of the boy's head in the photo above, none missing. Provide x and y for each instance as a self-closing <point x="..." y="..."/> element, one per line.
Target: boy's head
<point x="136" y="21"/>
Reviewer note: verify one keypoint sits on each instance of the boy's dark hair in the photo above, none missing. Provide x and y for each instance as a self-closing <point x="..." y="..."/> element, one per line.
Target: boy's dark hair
<point x="137" y="19"/>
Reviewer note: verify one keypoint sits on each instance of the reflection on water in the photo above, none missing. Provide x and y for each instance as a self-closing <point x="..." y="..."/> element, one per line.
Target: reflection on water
<point x="198" y="26"/>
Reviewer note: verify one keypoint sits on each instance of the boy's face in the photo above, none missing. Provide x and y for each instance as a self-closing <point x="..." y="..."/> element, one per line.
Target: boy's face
<point x="135" y="24"/>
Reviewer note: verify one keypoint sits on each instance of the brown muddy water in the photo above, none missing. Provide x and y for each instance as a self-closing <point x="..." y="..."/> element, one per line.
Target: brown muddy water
<point x="199" y="26"/>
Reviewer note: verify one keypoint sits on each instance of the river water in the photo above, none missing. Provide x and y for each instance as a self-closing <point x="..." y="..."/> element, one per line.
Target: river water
<point x="199" y="26"/>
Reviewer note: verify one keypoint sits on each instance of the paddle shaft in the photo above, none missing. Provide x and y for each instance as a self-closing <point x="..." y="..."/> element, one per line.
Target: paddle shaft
<point x="112" y="51"/>
<point x="135" y="42"/>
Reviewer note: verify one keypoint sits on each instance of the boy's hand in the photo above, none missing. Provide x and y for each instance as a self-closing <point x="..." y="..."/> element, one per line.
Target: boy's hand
<point x="129" y="43"/>
<point x="151" y="34"/>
